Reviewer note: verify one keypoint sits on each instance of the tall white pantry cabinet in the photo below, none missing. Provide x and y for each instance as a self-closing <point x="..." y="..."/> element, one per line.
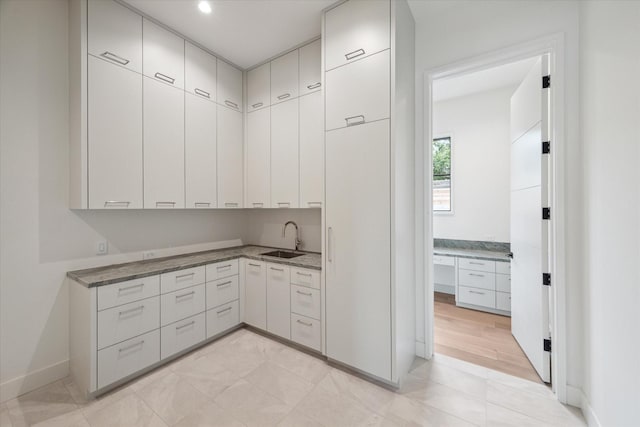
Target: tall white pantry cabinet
<point x="369" y="187"/>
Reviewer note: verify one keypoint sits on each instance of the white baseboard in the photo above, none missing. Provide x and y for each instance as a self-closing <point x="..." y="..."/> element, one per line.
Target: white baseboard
<point x="421" y="349"/>
<point x="33" y="380"/>
<point x="575" y="397"/>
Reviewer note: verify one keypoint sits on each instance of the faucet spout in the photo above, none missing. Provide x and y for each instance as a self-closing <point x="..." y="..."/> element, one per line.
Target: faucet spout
<point x="297" y="240"/>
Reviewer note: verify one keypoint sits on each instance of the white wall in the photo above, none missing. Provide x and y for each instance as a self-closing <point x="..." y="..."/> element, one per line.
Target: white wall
<point x="479" y="126"/>
<point x="610" y="87"/>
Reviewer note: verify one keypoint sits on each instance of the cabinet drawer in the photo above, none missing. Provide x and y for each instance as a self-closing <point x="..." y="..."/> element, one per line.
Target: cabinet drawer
<point x="162" y="55"/>
<point x="181" y="279"/>
<point x="474" y="296"/>
<point x="306" y="331"/>
<point x="121" y="360"/>
<point x="222" y="318"/>
<point x="305" y="301"/>
<point x="129" y="291"/>
<point x="222" y="291"/>
<point x="444" y="260"/>
<point x="126" y="321"/>
<point x="182" y="335"/>
<point x="503" y="283"/>
<point x="503" y="267"/>
<point x="221" y="270"/>
<point x="358" y="93"/>
<point x="477" y="265"/>
<point x="303" y="277"/>
<point x="181" y="304"/>
<point x="503" y="301"/>
<point x="477" y="279"/>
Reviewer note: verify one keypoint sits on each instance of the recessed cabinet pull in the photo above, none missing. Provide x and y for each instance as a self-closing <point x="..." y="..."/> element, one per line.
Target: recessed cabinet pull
<point x="284" y="204"/>
<point x="314" y="86"/>
<point x="254" y="265"/>
<point x="172" y="204"/>
<point x="224" y="284"/>
<point x="354" y="120"/>
<point x="128" y="288"/>
<point x="308" y="294"/>
<point x="284" y="96"/>
<point x="188" y="294"/>
<point x="165" y="78"/>
<point x="220" y="267"/>
<point x="304" y="323"/>
<point x="202" y="204"/>
<point x="182" y="276"/>
<point x="202" y="93"/>
<point x="476" y="275"/>
<point x="257" y="105"/>
<point x="303" y="274"/>
<point x="224" y="311"/>
<point x="231" y="104"/>
<point x="116" y="202"/>
<point x="354" y="54"/>
<point x="277" y="269"/>
<point x="115" y="58"/>
<point x="314" y="203"/>
<point x="138" y="344"/>
<point x="131" y="310"/>
<point x="476" y="263"/>
<point x="231" y="204"/>
<point x="476" y="292"/>
<point x="193" y="322"/>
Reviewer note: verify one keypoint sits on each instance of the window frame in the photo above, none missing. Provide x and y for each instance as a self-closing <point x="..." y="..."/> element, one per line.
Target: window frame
<point x="450" y="136"/>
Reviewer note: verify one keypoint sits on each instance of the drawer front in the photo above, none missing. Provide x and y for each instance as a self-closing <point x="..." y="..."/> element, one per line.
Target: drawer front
<point x="503" y="301"/>
<point x="503" y="283"/>
<point x="503" y="267"/>
<point x="304" y="277"/>
<point x="220" y="270"/>
<point x="121" y="360"/>
<point x="222" y="318"/>
<point x="480" y="297"/>
<point x="222" y="291"/>
<point x="306" y="331"/>
<point x="182" y="335"/>
<point x="444" y="260"/>
<point x="305" y="301"/>
<point x="127" y="321"/>
<point x="477" y="279"/>
<point x="477" y="265"/>
<point x="181" y="279"/>
<point x="129" y="291"/>
<point x="183" y="303"/>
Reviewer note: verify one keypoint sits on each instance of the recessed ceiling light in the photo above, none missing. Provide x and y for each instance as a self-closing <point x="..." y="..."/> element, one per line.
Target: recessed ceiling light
<point x="204" y="7"/>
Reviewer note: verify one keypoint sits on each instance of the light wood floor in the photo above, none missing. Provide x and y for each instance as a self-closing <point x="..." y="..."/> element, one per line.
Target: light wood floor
<point x="477" y="337"/>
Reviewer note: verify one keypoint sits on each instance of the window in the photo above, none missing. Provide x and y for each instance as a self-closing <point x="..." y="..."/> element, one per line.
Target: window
<point x="442" y="174"/>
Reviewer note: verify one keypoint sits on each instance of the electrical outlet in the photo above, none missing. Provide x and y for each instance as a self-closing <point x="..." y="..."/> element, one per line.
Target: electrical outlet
<point x="102" y="248"/>
<point x="148" y="254"/>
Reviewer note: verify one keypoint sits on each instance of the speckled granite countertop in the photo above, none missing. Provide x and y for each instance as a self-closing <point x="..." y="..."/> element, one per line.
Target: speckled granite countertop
<point x="133" y="270"/>
<point x="473" y="253"/>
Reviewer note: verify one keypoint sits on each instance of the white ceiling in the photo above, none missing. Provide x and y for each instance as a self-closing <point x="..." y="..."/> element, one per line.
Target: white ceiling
<point x="245" y="32"/>
<point x="492" y="78"/>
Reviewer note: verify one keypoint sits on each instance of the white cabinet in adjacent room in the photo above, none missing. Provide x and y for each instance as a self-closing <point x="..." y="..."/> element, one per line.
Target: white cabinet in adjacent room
<point x="230" y="160"/>
<point x="259" y="87"/>
<point x="284" y="77"/>
<point x="258" y="158"/>
<point x="311" y="150"/>
<point x="200" y="152"/>
<point x="114" y="136"/>
<point x="229" y="86"/>
<point x="278" y="300"/>
<point x="162" y="55"/>
<point x="199" y="72"/>
<point x="310" y="68"/>
<point x="284" y="155"/>
<point x="163" y="145"/>
<point x="255" y="304"/>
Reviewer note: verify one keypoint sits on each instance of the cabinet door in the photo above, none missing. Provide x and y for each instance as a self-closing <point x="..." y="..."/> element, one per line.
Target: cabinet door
<point x="230" y="159"/>
<point x="200" y="152"/>
<point x="279" y="300"/>
<point x="311" y="150"/>
<point x="259" y="87"/>
<point x="258" y="155"/>
<point x="229" y="86"/>
<point x="114" y="136"/>
<point x="163" y="55"/>
<point x="356" y="29"/>
<point x="310" y="68"/>
<point x="163" y="145"/>
<point x="255" y="279"/>
<point x="284" y="77"/>
<point x="115" y="34"/>
<point x="199" y="72"/>
<point x="358" y="258"/>
<point x="284" y="155"/>
<point x="358" y="93"/>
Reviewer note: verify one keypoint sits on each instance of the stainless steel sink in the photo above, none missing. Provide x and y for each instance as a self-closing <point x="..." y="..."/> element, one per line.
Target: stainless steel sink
<point x="281" y="254"/>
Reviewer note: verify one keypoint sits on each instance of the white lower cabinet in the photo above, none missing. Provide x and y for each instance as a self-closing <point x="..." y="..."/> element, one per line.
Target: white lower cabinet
<point x="255" y="288"/>
<point x="306" y="331"/>
<point x="483" y="284"/>
<point x="221" y="318"/>
<point x="305" y="301"/>
<point x="182" y="303"/>
<point x="503" y="301"/>
<point x="278" y="300"/>
<point x="181" y="335"/>
<point x="222" y="291"/>
<point x="475" y="296"/>
<point x="120" y="323"/>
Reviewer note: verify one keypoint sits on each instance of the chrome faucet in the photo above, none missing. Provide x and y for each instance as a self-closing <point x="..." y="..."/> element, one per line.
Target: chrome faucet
<point x="284" y="229"/>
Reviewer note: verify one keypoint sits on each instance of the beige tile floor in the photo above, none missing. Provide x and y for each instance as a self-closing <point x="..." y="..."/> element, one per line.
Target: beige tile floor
<point x="245" y="379"/>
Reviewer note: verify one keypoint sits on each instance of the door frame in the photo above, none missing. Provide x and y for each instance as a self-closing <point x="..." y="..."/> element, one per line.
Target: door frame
<point x="554" y="47"/>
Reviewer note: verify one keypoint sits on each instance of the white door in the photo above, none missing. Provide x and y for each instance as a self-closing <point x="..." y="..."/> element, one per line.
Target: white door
<point x="529" y="231"/>
<point x="200" y="152"/>
<point x="255" y="297"/>
<point x="229" y="81"/>
<point x="199" y="72"/>
<point x="284" y="155"/>
<point x="279" y="300"/>
<point x="310" y="67"/>
<point x="284" y="77"/>
<point x="259" y="87"/>
<point x="162" y="54"/>
<point x="230" y="163"/>
<point x="258" y="158"/>
<point x="311" y="150"/>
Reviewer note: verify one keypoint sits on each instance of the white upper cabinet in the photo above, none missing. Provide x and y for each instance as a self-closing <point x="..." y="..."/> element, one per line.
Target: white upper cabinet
<point x="163" y="145"/>
<point x="199" y="72"/>
<point x="258" y="158"/>
<point x="310" y="67"/>
<point x="163" y="55"/>
<point x="115" y="34"/>
<point x="230" y="159"/>
<point x="229" y="86"/>
<point x="200" y="152"/>
<point x="284" y="77"/>
<point x="284" y="155"/>
<point x="356" y="29"/>
<point x="114" y="137"/>
<point x="259" y="87"/>
<point x="358" y="93"/>
<point x="311" y="150"/>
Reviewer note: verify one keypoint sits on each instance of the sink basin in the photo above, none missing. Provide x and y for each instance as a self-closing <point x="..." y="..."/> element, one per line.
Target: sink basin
<point x="281" y="254"/>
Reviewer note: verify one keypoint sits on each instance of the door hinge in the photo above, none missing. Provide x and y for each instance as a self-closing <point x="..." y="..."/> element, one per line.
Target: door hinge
<point x="546" y="213"/>
<point x="546" y="279"/>
<point x="546" y="81"/>
<point x="546" y="147"/>
<point x="547" y="345"/>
